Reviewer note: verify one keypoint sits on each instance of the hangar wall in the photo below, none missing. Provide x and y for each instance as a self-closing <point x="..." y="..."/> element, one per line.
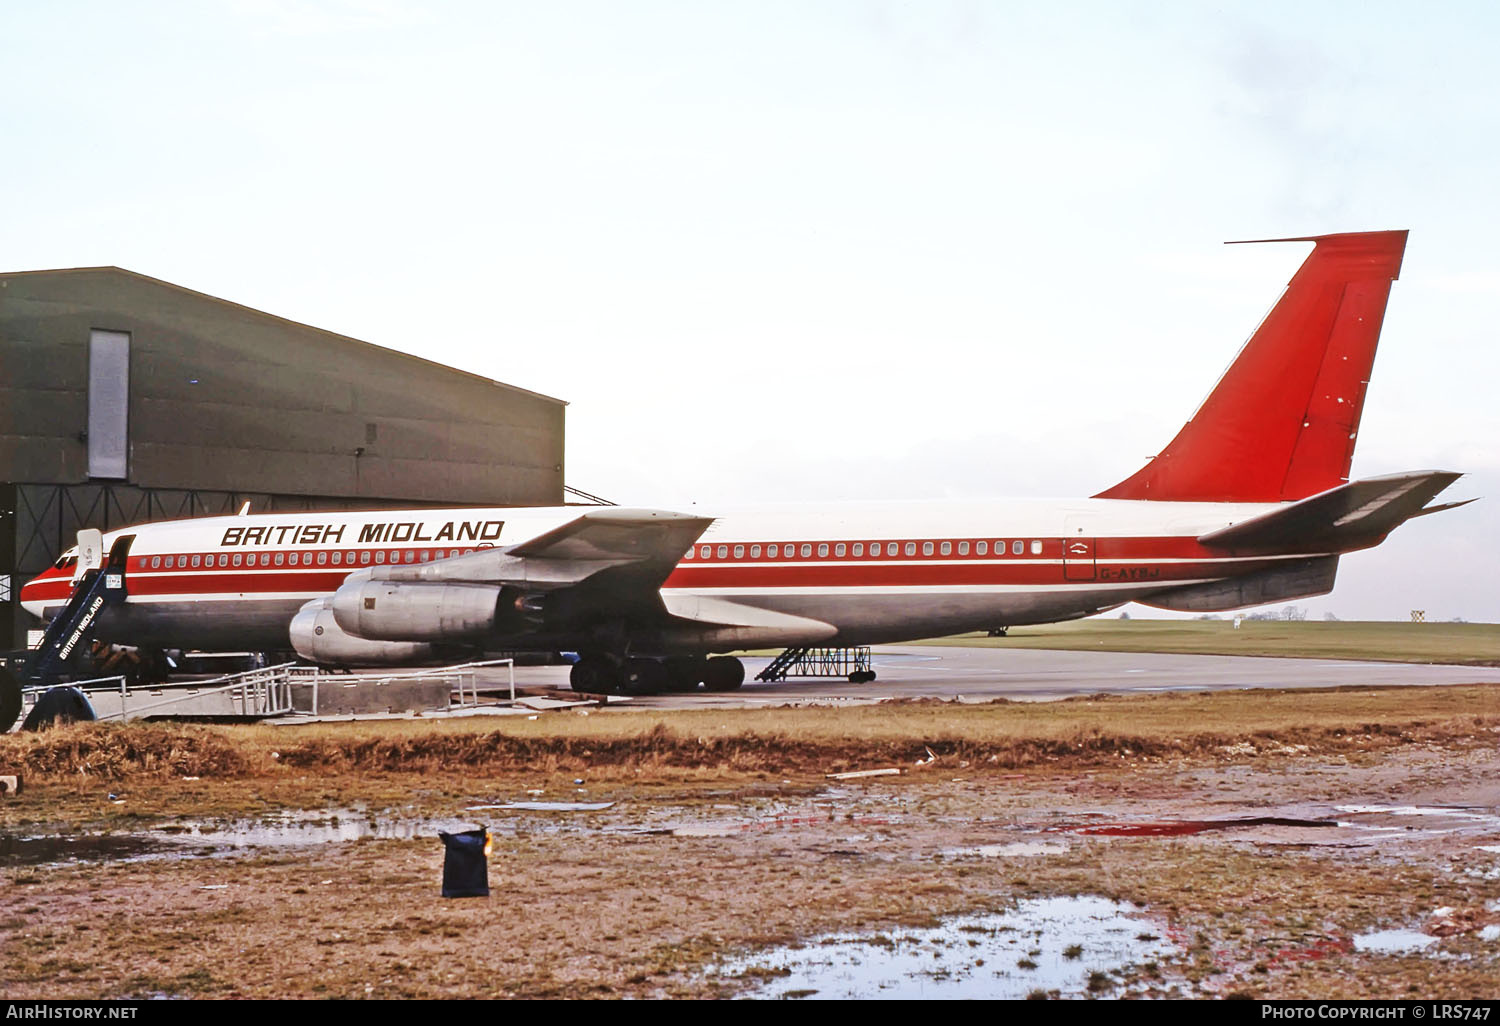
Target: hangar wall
<point x="124" y="398"/>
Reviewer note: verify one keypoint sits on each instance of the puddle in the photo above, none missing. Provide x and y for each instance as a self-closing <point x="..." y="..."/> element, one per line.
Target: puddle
<point x="546" y="806"/>
<point x="1418" y="822"/>
<point x="1490" y="933"/>
<point x="1071" y="946"/>
<point x="1184" y="827"/>
<point x="781" y="821"/>
<point x="1434" y="818"/>
<point x="1463" y="813"/>
<point x="41" y="851"/>
<point x="1394" y="942"/>
<point x="209" y="838"/>
<point x="294" y="830"/>
<point x="1018" y="849"/>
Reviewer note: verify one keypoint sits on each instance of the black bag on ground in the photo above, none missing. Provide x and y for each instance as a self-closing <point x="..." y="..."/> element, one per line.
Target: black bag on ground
<point x="466" y="868"/>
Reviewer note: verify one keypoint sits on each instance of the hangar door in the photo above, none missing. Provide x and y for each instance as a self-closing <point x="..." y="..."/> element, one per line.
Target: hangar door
<point x="109" y="403"/>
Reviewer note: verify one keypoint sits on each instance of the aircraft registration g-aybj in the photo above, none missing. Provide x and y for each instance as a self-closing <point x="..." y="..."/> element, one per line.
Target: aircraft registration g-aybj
<point x="1249" y="503"/>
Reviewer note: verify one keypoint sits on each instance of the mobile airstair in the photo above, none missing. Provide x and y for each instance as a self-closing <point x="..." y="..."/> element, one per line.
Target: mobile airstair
<point x="850" y="662"/>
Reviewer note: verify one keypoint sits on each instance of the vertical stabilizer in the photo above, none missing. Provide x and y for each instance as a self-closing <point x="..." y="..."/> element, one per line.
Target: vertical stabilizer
<point x="1281" y="423"/>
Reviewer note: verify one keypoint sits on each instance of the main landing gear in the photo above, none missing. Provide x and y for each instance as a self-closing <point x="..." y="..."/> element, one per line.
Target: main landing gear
<point x="608" y="675"/>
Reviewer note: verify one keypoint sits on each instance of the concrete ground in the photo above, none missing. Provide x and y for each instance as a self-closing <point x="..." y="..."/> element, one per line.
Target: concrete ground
<point x="985" y="674"/>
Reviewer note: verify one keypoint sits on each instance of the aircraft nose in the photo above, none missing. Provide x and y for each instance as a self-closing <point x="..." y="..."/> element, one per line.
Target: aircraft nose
<point x="33" y="599"/>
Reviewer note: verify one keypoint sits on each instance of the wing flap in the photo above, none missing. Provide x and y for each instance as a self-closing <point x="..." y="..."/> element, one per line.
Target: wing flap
<point x="724" y="624"/>
<point x="724" y="613"/>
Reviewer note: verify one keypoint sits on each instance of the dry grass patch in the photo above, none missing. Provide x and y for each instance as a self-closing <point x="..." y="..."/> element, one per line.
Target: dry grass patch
<point x="784" y="741"/>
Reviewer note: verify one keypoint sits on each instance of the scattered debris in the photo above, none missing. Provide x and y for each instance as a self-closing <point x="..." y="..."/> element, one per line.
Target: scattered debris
<point x="1450" y="922"/>
<point x="545" y="807"/>
<point x="856" y="774"/>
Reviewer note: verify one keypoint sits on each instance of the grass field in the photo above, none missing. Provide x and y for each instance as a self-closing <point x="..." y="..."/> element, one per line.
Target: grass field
<point x="745" y="743"/>
<point x="618" y="902"/>
<point x="1473" y="644"/>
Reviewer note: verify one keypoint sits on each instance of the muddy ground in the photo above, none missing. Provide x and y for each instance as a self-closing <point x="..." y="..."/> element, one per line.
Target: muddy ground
<point x="1261" y="867"/>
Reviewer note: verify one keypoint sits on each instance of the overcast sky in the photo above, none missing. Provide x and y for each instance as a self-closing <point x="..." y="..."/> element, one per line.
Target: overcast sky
<point x="809" y="250"/>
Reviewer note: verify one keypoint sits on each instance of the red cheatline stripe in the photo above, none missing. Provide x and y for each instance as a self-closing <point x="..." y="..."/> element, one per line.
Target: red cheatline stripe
<point x="876" y="575"/>
<point x="327" y="579"/>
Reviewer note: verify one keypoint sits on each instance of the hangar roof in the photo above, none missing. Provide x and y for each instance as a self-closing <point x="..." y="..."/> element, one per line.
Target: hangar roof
<point x="331" y="335"/>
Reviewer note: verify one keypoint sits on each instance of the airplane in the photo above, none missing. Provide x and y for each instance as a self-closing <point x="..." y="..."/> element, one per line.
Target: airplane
<point x="1249" y="503"/>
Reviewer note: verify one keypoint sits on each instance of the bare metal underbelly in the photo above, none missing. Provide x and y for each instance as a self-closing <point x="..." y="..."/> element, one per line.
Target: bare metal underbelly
<point x="253" y="624"/>
<point x="881" y="617"/>
<point x="862" y="617"/>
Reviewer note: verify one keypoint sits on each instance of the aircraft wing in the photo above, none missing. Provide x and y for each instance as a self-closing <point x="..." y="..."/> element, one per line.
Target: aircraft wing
<point x="613" y="533"/>
<point x="1351" y="514"/>
<point x="606" y="566"/>
<point x="649" y="541"/>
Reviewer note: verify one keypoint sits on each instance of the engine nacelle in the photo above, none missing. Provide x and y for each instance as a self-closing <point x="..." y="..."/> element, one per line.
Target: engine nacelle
<point x="318" y="637"/>
<point x="415" y="611"/>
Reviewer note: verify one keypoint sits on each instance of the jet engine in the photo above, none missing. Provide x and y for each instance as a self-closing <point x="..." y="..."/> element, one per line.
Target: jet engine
<point x="384" y="610"/>
<point x="318" y="637"/>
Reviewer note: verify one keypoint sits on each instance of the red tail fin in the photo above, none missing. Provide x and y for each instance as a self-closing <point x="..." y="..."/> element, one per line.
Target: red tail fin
<point x="1281" y="422"/>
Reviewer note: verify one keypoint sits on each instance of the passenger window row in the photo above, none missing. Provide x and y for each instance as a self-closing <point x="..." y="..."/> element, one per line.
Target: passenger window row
<point x="841" y="550"/>
<point x="364" y="557"/>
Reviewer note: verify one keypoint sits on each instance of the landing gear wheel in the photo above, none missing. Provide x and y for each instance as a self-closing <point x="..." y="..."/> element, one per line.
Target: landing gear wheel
<point x="645" y="677"/>
<point x="723" y="673"/>
<point x="861" y="676"/>
<point x="10" y="699"/>
<point x="685" y="675"/>
<point x="594" y="675"/>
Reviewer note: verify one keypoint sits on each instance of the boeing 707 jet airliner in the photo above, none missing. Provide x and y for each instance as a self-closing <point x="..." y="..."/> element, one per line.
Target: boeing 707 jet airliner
<point x="1249" y="503"/>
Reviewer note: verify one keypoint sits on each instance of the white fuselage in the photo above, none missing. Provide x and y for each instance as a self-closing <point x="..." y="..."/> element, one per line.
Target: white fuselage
<point x="878" y="572"/>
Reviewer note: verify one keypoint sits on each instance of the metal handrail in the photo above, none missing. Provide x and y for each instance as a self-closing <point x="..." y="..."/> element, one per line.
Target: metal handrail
<point x="270" y="698"/>
<point x="267" y="690"/>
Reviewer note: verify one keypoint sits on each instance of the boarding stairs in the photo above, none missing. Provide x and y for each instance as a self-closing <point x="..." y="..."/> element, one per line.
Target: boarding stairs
<point x="72" y="628"/>
<point x="806" y="661"/>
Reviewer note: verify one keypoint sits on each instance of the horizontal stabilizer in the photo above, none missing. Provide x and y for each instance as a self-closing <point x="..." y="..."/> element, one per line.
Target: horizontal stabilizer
<point x="1349" y="514"/>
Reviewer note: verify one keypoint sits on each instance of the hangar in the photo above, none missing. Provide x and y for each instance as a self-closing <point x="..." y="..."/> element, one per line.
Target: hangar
<point x="126" y="399"/>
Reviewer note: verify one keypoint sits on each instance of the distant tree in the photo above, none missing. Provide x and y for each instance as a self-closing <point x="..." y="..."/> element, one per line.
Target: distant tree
<point x="1124" y="616"/>
<point x="1330" y="618"/>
